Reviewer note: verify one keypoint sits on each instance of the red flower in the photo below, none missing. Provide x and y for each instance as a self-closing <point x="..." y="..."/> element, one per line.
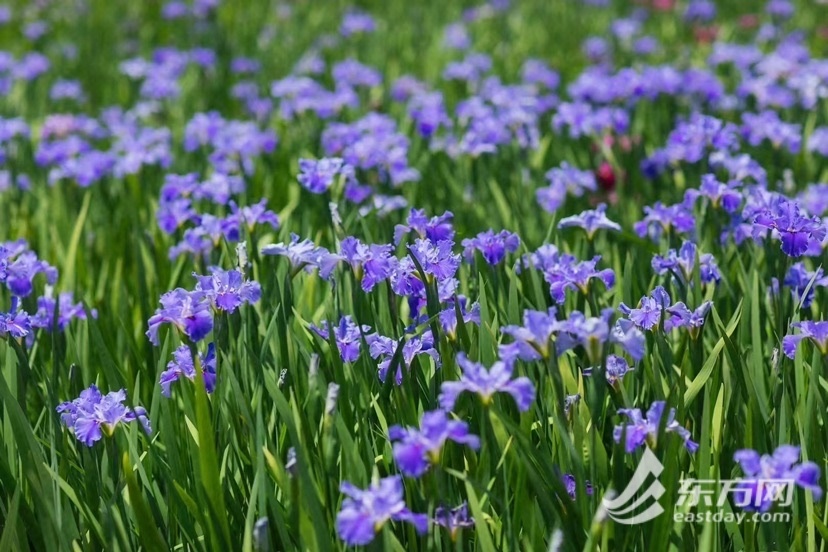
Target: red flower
<point x="605" y="176"/>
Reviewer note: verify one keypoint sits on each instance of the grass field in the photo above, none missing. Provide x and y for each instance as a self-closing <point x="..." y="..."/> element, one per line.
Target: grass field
<point x="413" y="275"/>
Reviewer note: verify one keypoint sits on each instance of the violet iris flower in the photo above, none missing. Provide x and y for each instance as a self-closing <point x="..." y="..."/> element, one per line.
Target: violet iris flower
<point x="436" y="259"/>
<point x="796" y="229"/>
<point x="182" y="365"/>
<point x="371" y="263"/>
<point x="615" y="369"/>
<point x="571" y="486"/>
<point x="227" y="290"/>
<point x="532" y="340"/>
<point x="348" y="336"/>
<point x="485" y="383"/>
<point x="365" y="512"/>
<point x="448" y="317"/>
<point x="591" y="221"/>
<point x="493" y="247"/>
<point x="188" y="311"/>
<point x="317" y="176"/>
<point x="436" y="228"/>
<point x="385" y="348"/>
<point x="816" y="332"/>
<point x="594" y="333"/>
<point x="641" y="429"/>
<point x="416" y="450"/>
<point x="648" y="313"/>
<point x="92" y="414"/>
<point x="683" y="263"/>
<point x="453" y="519"/>
<point x="764" y="474"/>
<point x="799" y="278"/>
<point x="15" y="323"/>
<point x="19" y="266"/>
<point x="68" y="310"/>
<point x="305" y="255"/>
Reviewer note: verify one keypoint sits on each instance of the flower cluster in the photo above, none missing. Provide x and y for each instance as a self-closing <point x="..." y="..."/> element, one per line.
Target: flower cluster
<point x="191" y="312"/>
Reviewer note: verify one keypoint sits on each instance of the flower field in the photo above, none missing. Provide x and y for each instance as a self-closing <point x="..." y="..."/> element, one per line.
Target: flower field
<point x="511" y="275"/>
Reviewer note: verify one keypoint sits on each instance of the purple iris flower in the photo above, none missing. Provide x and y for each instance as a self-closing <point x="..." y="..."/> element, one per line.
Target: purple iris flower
<point x="533" y="339"/>
<point x="416" y="450"/>
<point x="92" y="414"/>
<point x="796" y="229"/>
<point x="428" y="111"/>
<point x="317" y="176"/>
<point x="740" y="167"/>
<point x="799" y="279"/>
<point x="680" y="316"/>
<point x="19" y="266"/>
<point x="684" y="262"/>
<point x="565" y="180"/>
<point x="585" y="119"/>
<point x="768" y="126"/>
<point x="227" y="290"/>
<point x="616" y="368"/>
<point x="815" y="197"/>
<point x="535" y="71"/>
<point x="641" y="429"/>
<point x="353" y="74"/>
<point x="594" y="332"/>
<point x="591" y="221"/>
<point x="436" y="259"/>
<point x="571" y="486"/>
<point x="372" y="144"/>
<point x="67" y="90"/>
<point x="243" y="65"/>
<point x="818" y="141"/>
<point x="383" y="205"/>
<point x="485" y="383"/>
<point x="766" y="475"/>
<point x="15" y="323"/>
<point x="456" y="37"/>
<point x="305" y="255"/>
<point x="68" y="310"/>
<point x="816" y="332"/>
<point x="695" y="137"/>
<point x="364" y="512"/>
<point x="546" y="257"/>
<point x="448" y="317"/>
<point x="700" y="11"/>
<point x="252" y="215"/>
<point x="569" y="273"/>
<point x="172" y="215"/>
<point x="371" y="263"/>
<point x="471" y="69"/>
<point x="356" y="22"/>
<point x="189" y="311"/>
<point x="660" y="219"/>
<point x="436" y="228"/>
<point x="182" y="365"/>
<point x="453" y="519"/>
<point x="348" y="336"/>
<point x="385" y="348"/>
<point x="719" y="194"/>
<point x="494" y="247"/>
<point x="648" y="313"/>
